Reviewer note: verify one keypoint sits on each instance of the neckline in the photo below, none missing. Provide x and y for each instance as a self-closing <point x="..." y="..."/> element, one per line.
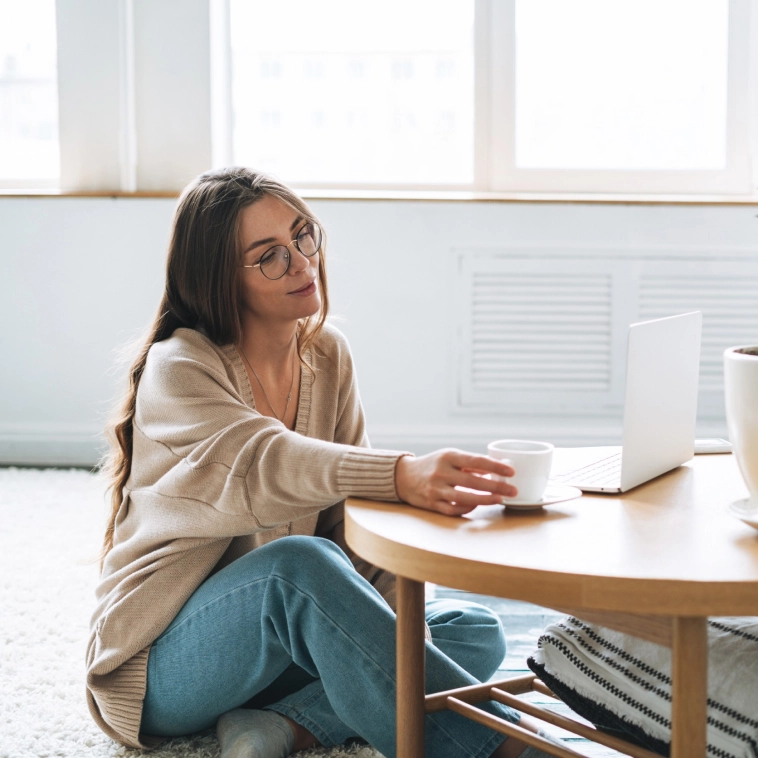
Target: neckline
<point x="304" y="399"/>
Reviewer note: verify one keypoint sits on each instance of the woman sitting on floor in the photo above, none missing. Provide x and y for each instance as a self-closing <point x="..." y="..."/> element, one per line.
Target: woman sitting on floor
<point x="226" y="577"/>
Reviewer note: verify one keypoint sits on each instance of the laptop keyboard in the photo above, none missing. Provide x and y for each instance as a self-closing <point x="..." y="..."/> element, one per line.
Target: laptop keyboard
<point x="603" y="473"/>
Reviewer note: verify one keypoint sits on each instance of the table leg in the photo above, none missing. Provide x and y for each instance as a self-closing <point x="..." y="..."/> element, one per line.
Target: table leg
<point x="689" y="691"/>
<point x="410" y="668"/>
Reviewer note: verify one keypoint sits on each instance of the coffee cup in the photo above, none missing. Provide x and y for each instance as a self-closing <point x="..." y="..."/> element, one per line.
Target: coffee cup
<point x="531" y="462"/>
<point x="741" y="395"/>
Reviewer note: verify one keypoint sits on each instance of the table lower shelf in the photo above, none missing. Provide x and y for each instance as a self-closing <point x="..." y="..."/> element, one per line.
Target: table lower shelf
<point x="523" y="623"/>
<point x="687" y="637"/>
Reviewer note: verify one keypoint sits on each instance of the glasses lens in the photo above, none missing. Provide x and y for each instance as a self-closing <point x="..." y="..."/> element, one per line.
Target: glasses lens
<point x="275" y="262"/>
<point x="309" y="240"/>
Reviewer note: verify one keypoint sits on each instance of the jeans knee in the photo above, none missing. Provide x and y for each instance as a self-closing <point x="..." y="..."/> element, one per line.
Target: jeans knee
<point x="304" y="555"/>
<point x="481" y="615"/>
<point x="492" y="627"/>
<point x="487" y="623"/>
<point x="489" y="629"/>
<point x="469" y="630"/>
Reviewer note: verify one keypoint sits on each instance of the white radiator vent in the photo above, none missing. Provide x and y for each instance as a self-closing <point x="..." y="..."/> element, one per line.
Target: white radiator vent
<point x="730" y="313"/>
<point x="548" y="333"/>
<point x="540" y="331"/>
<point x="536" y="331"/>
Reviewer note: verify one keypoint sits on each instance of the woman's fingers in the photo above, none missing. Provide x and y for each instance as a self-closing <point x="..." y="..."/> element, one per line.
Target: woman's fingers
<point x="482" y="464"/>
<point x="470" y="471"/>
<point x="458" y="502"/>
<point x="479" y="483"/>
<point x="434" y="481"/>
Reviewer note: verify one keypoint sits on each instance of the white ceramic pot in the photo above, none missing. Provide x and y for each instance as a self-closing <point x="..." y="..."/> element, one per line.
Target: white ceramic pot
<point x="741" y="391"/>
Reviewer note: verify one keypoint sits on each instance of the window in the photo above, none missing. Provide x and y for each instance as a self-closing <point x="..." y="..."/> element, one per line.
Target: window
<point x="621" y="95"/>
<point x="591" y="95"/>
<point x="360" y="98"/>
<point x="28" y="94"/>
<point x="612" y="96"/>
<point x="598" y="86"/>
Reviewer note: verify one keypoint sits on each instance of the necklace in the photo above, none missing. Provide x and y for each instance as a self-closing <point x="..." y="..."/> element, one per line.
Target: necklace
<point x="265" y="394"/>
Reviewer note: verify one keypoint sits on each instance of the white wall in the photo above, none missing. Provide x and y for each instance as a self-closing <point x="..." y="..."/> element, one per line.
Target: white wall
<point x="80" y="276"/>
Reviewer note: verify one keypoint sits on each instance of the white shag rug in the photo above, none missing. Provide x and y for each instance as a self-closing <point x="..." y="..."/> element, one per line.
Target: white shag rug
<point x="51" y="522"/>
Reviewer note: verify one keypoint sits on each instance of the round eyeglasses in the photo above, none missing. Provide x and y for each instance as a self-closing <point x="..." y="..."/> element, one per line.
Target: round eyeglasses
<point x="275" y="262"/>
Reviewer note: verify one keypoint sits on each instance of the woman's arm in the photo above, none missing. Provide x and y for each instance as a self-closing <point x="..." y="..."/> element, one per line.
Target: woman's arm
<point x="198" y="439"/>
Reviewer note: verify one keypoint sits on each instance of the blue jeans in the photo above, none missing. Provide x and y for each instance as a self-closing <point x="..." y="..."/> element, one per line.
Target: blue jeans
<point x="295" y="614"/>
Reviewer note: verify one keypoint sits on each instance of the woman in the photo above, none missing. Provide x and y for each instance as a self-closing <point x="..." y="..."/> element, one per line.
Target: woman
<point x="242" y="426"/>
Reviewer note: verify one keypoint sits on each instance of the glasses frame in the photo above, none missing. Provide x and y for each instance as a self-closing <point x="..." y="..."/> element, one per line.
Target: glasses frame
<point x="289" y="256"/>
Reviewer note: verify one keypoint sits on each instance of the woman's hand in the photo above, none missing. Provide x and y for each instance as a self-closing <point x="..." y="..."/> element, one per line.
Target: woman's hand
<point x="432" y="481"/>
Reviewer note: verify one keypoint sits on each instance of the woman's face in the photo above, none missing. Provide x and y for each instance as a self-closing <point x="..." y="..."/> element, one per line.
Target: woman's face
<point x="264" y="224"/>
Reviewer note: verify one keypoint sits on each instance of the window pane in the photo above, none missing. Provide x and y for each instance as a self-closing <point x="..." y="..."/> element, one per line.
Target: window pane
<point x="339" y="91"/>
<point x="621" y="84"/>
<point x="28" y="92"/>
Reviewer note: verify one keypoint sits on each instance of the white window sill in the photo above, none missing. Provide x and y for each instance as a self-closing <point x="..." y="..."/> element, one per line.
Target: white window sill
<point x="432" y="196"/>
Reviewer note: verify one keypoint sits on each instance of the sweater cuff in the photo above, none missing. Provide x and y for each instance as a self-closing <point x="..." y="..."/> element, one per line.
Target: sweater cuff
<point x="369" y="473"/>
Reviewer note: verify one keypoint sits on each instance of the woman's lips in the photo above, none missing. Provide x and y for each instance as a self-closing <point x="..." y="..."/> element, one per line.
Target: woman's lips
<point x="309" y="289"/>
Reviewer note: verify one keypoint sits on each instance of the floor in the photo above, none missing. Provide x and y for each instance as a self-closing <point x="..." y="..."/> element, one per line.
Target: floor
<point x="523" y="623"/>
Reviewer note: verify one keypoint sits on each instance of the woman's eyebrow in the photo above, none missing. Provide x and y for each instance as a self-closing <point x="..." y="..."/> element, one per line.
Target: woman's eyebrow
<point x="273" y="239"/>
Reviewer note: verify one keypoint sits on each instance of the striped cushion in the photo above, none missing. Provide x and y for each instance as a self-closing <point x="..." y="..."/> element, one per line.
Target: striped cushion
<point x="623" y="684"/>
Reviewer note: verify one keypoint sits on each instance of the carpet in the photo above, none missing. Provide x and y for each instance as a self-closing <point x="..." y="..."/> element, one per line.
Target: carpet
<point x="51" y="523"/>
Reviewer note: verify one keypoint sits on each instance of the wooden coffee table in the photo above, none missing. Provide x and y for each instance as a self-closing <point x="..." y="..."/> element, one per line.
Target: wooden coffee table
<point x="654" y="562"/>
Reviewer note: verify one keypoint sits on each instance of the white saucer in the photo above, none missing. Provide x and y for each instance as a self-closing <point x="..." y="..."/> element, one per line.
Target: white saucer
<point x="745" y="510"/>
<point x="554" y="493"/>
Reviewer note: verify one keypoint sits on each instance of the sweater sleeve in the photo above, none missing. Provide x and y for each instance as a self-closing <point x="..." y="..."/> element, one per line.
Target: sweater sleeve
<point x="351" y="430"/>
<point x="229" y="456"/>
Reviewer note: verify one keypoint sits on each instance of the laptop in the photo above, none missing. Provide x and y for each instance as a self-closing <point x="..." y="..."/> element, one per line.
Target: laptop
<point x="660" y="408"/>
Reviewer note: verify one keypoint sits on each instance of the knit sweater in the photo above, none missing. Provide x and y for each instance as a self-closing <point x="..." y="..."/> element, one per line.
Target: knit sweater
<point x="212" y="479"/>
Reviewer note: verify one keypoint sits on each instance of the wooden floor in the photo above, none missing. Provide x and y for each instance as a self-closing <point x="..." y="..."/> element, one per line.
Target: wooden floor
<point x="523" y="624"/>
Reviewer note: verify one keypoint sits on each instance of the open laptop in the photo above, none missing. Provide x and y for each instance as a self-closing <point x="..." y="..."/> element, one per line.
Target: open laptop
<point x="660" y="409"/>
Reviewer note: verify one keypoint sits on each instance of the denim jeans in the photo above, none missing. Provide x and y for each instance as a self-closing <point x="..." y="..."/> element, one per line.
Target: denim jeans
<point x="294" y="615"/>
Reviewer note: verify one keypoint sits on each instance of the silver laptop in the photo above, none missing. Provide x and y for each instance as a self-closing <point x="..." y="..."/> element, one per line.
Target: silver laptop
<point x="660" y="408"/>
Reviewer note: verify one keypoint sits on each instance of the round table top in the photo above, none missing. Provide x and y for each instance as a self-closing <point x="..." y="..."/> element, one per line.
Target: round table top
<point x="668" y="547"/>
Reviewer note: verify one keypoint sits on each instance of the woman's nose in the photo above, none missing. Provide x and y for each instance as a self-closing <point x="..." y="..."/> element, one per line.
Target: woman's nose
<point x="298" y="262"/>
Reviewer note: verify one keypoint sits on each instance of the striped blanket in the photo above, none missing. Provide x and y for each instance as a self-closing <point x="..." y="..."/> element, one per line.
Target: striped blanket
<point x="623" y="684"/>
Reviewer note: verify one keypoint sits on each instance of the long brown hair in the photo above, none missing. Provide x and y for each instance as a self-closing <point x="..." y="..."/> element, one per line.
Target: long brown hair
<point x="203" y="291"/>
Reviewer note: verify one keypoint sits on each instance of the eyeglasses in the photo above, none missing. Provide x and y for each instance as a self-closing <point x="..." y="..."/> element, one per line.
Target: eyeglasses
<point x="275" y="262"/>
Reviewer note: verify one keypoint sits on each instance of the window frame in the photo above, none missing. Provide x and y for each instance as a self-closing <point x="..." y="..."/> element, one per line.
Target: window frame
<point x="494" y="123"/>
<point x="122" y="95"/>
<point x="737" y="177"/>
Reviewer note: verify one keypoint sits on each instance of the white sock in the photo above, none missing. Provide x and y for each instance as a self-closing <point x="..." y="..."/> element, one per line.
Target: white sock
<point x="534" y="752"/>
<point x="244" y="733"/>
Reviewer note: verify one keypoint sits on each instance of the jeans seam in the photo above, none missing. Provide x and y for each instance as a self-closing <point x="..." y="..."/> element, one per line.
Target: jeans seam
<point x="210" y="602"/>
<point x="335" y="624"/>
<point x="308" y="702"/>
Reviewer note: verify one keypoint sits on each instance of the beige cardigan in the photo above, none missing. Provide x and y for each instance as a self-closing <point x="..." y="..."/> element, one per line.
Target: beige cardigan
<point x="211" y="480"/>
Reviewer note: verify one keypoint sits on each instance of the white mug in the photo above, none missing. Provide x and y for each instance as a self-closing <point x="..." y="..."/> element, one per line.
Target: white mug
<point x="741" y="395"/>
<point x="531" y="462"/>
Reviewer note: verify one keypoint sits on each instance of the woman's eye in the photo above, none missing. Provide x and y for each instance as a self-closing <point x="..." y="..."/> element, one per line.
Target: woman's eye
<point x="267" y="257"/>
